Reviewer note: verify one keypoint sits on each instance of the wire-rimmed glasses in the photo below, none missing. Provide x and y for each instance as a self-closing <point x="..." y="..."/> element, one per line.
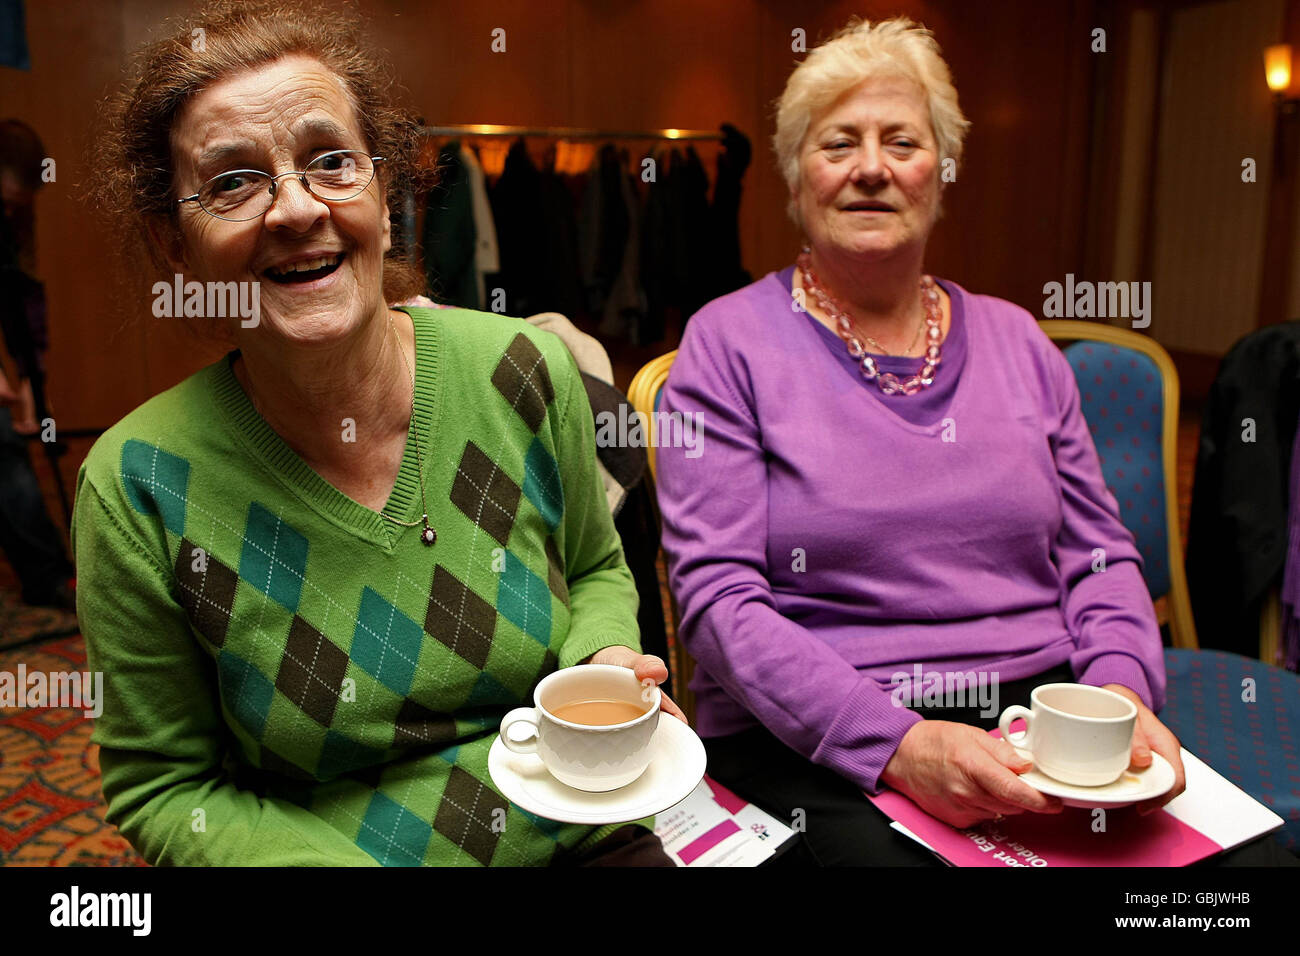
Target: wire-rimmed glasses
<point x="239" y="195"/>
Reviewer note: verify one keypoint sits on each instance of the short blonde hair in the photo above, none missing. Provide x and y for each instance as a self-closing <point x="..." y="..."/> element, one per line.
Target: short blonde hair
<point x="862" y="51"/>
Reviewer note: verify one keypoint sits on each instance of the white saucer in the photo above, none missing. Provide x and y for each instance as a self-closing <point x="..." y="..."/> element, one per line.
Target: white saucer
<point x="676" y="768"/>
<point x="1132" y="786"/>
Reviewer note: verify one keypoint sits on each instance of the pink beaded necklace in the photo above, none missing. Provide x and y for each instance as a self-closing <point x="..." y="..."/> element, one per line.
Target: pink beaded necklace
<point x="888" y="382"/>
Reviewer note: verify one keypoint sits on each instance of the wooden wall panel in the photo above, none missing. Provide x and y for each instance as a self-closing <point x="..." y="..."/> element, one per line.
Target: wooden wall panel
<point x="1209" y="225"/>
<point x="1014" y="219"/>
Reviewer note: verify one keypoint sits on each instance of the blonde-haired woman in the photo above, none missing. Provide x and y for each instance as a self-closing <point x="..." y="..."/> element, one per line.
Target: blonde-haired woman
<point x="898" y="478"/>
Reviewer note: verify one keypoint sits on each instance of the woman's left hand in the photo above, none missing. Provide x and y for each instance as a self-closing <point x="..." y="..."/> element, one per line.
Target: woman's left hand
<point x="645" y="666"/>
<point x="1150" y="734"/>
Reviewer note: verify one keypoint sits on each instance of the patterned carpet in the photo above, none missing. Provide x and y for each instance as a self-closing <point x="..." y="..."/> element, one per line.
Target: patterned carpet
<point x="21" y="623"/>
<point x="51" y="810"/>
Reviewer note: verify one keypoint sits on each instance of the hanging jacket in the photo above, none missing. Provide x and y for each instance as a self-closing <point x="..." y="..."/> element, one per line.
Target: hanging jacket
<point x="726" y="273"/>
<point x="1237" y="536"/>
<point x="487" y="259"/>
<point x="449" y="234"/>
<point x="519" y="214"/>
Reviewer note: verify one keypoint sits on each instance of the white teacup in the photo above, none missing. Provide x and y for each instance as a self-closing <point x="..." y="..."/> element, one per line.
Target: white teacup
<point x="1077" y="734"/>
<point x="593" y="757"/>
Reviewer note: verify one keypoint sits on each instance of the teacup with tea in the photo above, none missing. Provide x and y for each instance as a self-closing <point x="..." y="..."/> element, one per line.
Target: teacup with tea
<point x="592" y="726"/>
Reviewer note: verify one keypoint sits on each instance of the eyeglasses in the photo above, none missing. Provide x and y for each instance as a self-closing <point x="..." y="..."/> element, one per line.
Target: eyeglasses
<point x="242" y="194"/>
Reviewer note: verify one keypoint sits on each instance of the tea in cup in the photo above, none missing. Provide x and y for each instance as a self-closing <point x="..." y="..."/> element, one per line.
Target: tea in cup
<point x="592" y="726"/>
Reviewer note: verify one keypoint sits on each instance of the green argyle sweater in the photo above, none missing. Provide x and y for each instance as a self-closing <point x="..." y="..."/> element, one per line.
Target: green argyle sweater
<point x="289" y="679"/>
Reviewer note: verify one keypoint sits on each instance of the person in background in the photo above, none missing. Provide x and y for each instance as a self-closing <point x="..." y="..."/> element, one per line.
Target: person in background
<point x="30" y="540"/>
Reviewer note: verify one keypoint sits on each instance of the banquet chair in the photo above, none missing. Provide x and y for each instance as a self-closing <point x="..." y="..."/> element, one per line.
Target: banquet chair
<point x="645" y="393"/>
<point x="1128" y="388"/>
<point x="1240" y="715"/>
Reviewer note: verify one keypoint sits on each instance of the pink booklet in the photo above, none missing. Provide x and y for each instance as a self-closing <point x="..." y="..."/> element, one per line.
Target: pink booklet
<point x="1210" y="816"/>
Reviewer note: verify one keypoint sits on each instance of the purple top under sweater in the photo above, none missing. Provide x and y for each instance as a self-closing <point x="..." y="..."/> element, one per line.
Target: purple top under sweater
<point x="823" y="537"/>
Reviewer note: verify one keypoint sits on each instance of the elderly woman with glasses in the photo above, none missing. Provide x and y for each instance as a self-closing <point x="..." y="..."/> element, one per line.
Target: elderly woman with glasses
<point x="318" y="572"/>
<point x="898" y="481"/>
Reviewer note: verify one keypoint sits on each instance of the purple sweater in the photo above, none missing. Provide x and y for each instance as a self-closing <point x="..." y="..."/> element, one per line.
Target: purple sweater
<point x="819" y="543"/>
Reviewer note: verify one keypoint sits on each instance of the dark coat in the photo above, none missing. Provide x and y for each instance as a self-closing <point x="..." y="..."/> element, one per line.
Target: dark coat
<point x="1237" y="536"/>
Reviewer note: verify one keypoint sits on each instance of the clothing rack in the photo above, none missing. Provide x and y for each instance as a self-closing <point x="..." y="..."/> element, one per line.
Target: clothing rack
<point x="566" y="132"/>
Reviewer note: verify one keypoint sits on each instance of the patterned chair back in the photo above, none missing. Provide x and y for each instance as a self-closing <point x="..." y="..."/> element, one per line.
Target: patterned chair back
<point x="1128" y="388"/>
<point x="1124" y="407"/>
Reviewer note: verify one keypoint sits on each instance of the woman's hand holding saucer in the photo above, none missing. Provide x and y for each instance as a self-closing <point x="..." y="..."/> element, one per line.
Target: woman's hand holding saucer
<point x="961" y="775"/>
<point x="1150" y="734"/>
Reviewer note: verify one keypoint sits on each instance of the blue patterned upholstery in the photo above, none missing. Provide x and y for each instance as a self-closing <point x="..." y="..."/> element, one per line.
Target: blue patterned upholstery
<point x="1123" y="404"/>
<point x="1253" y="744"/>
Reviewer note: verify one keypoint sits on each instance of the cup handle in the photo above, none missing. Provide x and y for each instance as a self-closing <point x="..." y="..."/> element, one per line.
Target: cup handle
<point x="1004" y="725"/>
<point x="527" y="715"/>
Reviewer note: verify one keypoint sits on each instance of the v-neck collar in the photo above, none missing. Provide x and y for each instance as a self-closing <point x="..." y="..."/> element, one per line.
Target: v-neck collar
<point x="404" y="502"/>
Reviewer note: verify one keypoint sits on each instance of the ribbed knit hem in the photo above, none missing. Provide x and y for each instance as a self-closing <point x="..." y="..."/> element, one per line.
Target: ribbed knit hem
<point x="1121" y="669"/>
<point x="578" y="648"/>
<point x="864" y="736"/>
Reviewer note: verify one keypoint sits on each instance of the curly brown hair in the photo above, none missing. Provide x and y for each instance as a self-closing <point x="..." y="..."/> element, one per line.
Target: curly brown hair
<point x="133" y="158"/>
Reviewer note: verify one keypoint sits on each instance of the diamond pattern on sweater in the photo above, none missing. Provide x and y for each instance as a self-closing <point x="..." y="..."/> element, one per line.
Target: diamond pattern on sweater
<point x="488" y="691"/>
<point x="342" y="754"/>
<point x="459" y="618"/>
<point x="486" y="494"/>
<point x="311" y="672"/>
<point x="392" y="834"/>
<point x="523" y="380"/>
<point x="386" y="643"/>
<point x="417" y="725"/>
<point x="274" y="559"/>
<point x="542" y="484"/>
<point x="156" y="482"/>
<point x="524" y="599"/>
<point x="206" y="589"/>
<point x="246" y="692"/>
<point x="466" y="817"/>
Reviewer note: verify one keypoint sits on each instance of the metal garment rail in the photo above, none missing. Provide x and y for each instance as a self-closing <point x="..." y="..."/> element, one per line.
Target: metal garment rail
<point x="566" y="132"/>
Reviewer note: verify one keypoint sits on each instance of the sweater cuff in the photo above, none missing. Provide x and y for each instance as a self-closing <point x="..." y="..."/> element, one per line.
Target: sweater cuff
<point x="578" y="649"/>
<point x="1118" y="669"/>
<point x="864" y="736"/>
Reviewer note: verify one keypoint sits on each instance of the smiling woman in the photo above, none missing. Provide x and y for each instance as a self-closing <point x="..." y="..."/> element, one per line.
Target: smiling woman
<point x="317" y="573"/>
